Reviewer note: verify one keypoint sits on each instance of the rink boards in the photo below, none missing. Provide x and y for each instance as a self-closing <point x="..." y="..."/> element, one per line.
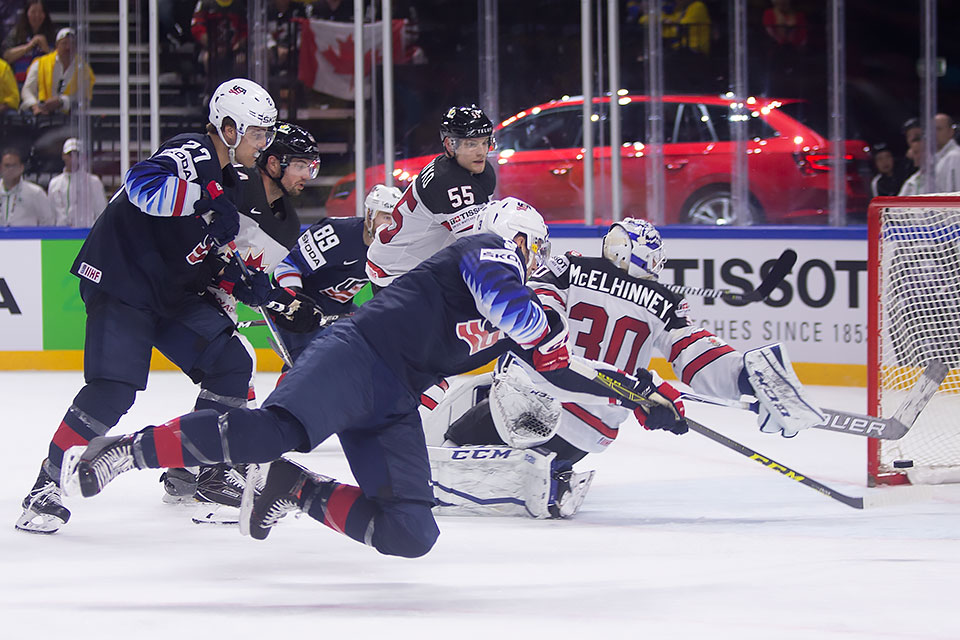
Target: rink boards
<point x="818" y="312"/>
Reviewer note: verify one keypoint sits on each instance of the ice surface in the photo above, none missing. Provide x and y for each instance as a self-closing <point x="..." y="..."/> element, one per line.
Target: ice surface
<point x="678" y="538"/>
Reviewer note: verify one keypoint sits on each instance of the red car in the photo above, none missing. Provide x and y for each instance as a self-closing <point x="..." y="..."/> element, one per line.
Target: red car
<point x="539" y="159"/>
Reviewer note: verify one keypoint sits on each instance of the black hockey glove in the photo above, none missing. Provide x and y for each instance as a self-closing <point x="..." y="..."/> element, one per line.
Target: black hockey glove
<point x="293" y="311"/>
<point x="253" y="290"/>
<point x="225" y="224"/>
<point x="665" y="410"/>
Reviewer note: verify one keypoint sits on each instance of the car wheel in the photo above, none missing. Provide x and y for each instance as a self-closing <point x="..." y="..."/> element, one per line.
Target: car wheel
<point x="714" y="206"/>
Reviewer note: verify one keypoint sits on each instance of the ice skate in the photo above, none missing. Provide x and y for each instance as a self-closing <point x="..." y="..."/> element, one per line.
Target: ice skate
<point x="87" y="470"/>
<point x="280" y="495"/>
<point x="43" y="510"/>
<point x="219" y="491"/>
<point x="571" y="490"/>
<point x="179" y="486"/>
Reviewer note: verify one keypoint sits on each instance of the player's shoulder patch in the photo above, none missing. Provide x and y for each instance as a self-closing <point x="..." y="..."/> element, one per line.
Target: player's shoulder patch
<point x="558" y="265"/>
<point x="506" y="255"/>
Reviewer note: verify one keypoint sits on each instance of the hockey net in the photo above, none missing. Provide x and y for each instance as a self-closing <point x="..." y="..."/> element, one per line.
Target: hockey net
<point x="914" y="317"/>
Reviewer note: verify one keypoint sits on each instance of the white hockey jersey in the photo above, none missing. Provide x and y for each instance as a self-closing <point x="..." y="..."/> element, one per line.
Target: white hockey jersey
<point x="625" y="322"/>
<point x="437" y="208"/>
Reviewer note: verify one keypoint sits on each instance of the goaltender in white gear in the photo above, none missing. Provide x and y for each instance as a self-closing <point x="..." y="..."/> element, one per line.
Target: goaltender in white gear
<point x="618" y="313"/>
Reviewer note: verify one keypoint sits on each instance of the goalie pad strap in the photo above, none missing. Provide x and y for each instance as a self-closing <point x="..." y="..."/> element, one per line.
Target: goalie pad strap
<point x="778" y="389"/>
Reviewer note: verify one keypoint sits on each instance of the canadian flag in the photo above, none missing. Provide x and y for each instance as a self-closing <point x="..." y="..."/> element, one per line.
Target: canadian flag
<point x="326" y="54"/>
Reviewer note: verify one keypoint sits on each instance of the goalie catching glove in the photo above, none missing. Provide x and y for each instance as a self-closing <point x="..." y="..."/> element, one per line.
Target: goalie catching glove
<point x="664" y="409"/>
<point x="784" y="407"/>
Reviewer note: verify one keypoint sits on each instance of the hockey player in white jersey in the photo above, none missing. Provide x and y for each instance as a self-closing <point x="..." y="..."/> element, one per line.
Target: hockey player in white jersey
<point x="441" y="205"/>
<point x="618" y="313"/>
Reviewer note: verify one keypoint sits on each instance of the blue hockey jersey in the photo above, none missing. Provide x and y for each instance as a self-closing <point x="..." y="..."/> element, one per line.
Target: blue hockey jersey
<point x="148" y="248"/>
<point x="328" y="264"/>
<point x="456" y="311"/>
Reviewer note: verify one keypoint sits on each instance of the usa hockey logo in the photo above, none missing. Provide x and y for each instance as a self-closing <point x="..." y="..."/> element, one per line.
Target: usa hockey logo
<point x="477" y="336"/>
<point x="237" y="90"/>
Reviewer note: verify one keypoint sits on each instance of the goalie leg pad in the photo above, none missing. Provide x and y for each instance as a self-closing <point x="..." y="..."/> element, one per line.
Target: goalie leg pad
<point x="492" y="481"/>
<point x="784" y="406"/>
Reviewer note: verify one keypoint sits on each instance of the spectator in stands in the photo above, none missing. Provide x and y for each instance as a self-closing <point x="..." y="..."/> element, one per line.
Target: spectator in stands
<point x="889" y="177"/>
<point x="341" y="10"/>
<point x="52" y="80"/>
<point x="786" y="26"/>
<point x="22" y="203"/>
<point x="694" y="26"/>
<point x="31" y="38"/>
<point x="283" y="43"/>
<point x="946" y="159"/>
<point x="220" y="26"/>
<point x="64" y="190"/>
<point x="9" y="94"/>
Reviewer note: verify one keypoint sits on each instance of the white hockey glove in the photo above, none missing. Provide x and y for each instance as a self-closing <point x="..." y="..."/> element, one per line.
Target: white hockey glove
<point x="523" y="415"/>
<point x="784" y="407"/>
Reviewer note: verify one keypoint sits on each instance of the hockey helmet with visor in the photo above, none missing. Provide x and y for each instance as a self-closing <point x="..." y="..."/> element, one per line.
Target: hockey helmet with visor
<point x="510" y="216"/>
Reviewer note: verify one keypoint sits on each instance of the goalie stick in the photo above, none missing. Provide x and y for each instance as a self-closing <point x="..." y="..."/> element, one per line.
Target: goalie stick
<point x="609" y="379"/>
<point x="775" y="276"/>
<point x="856" y="423"/>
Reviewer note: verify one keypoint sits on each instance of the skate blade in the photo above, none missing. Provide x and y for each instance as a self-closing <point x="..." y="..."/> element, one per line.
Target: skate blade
<point x="181" y="501"/>
<point x="216" y="514"/>
<point x="579" y="485"/>
<point x="254" y="473"/>
<point x="69" y="478"/>
<point x="42" y="523"/>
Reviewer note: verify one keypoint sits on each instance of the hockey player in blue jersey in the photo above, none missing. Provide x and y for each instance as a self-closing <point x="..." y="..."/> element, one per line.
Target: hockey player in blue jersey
<point x="269" y="228"/>
<point x="143" y="272"/>
<point x="361" y="380"/>
<point x="327" y="264"/>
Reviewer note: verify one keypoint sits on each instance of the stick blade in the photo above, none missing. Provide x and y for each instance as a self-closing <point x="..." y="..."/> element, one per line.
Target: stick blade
<point x="921" y="393"/>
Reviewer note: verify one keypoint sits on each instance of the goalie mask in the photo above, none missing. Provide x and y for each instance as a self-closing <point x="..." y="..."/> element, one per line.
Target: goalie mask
<point x="523" y="415"/>
<point x="634" y="245"/>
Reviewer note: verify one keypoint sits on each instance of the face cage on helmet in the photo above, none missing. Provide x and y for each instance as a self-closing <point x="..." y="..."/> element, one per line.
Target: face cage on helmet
<point x="539" y="251"/>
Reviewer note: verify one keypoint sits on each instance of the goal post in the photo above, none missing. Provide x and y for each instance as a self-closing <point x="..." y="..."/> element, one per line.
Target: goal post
<point x="913" y="317"/>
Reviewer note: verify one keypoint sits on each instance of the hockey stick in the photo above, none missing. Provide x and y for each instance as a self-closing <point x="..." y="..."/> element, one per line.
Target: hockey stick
<point x="856" y="423"/>
<point x="610" y="380"/>
<point x="271" y="325"/>
<point x="775" y="276"/>
<point x="326" y="322"/>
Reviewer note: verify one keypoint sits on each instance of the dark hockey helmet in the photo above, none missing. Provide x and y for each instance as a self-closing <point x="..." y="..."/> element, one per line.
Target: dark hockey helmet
<point x="292" y="141"/>
<point x="465" y="122"/>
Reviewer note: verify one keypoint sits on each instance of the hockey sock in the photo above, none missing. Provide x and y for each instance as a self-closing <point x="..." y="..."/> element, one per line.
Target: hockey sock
<point x="204" y="437"/>
<point x="405" y="529"/>
<point x="341" y="507"/>
<point x="95" y="410"/>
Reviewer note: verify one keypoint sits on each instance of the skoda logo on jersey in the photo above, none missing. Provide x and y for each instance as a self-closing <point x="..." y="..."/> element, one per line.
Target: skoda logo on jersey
<point x="477" y="336"/>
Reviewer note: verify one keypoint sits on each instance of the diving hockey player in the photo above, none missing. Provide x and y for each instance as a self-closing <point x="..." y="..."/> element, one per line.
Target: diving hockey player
<point x="456" y="311"/>
<point x="442" y="203"/>
<point x="620" y="314"/>
<point x="142" y="270"/>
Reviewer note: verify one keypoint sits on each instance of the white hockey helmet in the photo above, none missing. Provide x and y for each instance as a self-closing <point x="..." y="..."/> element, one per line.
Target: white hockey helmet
<point x="248" y="105"/>
<point x="511" y="216"/>
<point x="635" y="246"/>
<point x="380" y="198"/>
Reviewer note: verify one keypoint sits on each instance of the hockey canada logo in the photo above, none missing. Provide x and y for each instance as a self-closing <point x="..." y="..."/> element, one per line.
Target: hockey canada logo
<point x="474" y="334"/>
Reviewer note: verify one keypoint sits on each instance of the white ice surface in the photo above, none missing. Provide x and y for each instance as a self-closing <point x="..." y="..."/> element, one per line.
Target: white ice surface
<point x="678" y="538"/>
